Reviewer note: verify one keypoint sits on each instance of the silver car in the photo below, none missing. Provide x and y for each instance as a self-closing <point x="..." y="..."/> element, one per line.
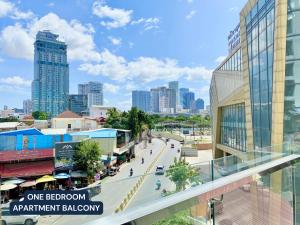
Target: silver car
<point x="8" y="219"/>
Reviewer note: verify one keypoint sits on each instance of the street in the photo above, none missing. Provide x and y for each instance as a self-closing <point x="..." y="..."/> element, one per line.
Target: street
<point x="114" y="189"/>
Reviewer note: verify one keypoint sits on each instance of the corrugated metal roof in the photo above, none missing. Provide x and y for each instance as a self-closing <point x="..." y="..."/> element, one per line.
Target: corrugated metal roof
<point x="102" y="133"/>
<point x="30" y="131"/>
<point x="6" y="125"/>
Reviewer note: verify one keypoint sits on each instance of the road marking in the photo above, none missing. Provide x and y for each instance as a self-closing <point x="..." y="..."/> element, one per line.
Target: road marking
<point x="126" y="201"/>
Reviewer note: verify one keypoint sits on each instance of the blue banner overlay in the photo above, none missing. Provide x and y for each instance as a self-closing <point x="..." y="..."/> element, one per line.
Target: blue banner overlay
<point x="56" y="203"/>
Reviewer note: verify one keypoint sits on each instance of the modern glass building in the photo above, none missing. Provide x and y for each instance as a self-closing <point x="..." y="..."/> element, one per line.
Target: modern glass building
<point x="199" y="104"/>
<point x="175" y="86"/>
<point x="141" y="100"/>
<point x="188" y="100"/>
<point x="50" y="86"/>
<point x="182" y="91"/>
<point x="94" y="92"/>
<point x="77" y="103"/>
<point x="254" y="92"/>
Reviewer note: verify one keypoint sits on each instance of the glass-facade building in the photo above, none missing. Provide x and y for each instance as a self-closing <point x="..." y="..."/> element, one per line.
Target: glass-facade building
<point x="141" y="100"/>
<point x="77" y="103"/>
<point x="188" y="100"/>
<point x="94" y="92"/>
<point x="260" y="38"/>
<point x="50" y="86"/>
<point x="233" y="126"/>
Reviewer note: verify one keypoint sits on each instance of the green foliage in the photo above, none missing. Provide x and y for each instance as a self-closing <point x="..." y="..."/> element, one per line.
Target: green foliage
<point x="181" y="173"/>
<point x="38" y="115"/>
<point x="135" y="120"/>
<point x="9" y="119"/>
<point x="180" y="218"/>
<point x="86" y="157"/>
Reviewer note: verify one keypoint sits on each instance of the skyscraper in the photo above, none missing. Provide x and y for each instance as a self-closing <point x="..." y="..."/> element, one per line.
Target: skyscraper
<point x="94" y="92"/>
<point x="188" y="100"/>
<point x="182" y="91"/>
<point x="174" y="85"/>
<point x="141" y="100"/>
<point x="77" y="103"/>
<point x="27" y="107"/>
<point x="154" y="95"/>
<point x="50" y="86"/>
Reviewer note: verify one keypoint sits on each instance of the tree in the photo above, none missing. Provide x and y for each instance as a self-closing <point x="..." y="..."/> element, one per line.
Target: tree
<point x="133" y="122"/>
<point x="180" y="218"/>
<point x="9" y="119"/>
<point x="181" y="173"/>
<point x="86" y="157"/>
<point x="39" y="115"/>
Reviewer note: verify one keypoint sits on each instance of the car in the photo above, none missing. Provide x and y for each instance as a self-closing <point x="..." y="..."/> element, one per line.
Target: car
<point x="113" y="171"/>
<point x="8" y="219"/>
<point x="182" y="142"/>
<point x="160" y="170"/>
<point x="172" y="145"/>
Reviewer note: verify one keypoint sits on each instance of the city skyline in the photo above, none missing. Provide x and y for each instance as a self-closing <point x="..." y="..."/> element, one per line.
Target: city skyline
<point x="103" y="49"/>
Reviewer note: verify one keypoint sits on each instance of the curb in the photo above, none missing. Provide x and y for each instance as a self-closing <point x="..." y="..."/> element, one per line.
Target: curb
<point x="135" y="188"/>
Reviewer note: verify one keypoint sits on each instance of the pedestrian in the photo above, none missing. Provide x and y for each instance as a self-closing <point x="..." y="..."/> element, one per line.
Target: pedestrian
<point x="151" y="152"/>
<point x="131" y="172"/>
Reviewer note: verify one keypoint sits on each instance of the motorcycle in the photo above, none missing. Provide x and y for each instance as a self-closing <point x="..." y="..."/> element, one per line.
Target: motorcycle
<point x="158" y="185"/>
<point x="131" y="172"/>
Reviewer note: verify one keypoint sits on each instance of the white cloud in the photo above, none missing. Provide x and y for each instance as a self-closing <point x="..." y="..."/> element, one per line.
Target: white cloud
<point x="17" y="40"/>
<point x="1" y="60"/>
<point x="144" y="69"/>
<point x="220" y="59"/>
<point x="51" y="4"/>
<point x="190" y="15"/>
<point x="148" y="23"/>
<point x="5" y="8"/>
<point x="111" y="88"/>
<point x="15" y="81"/>
<point x="115" y="17"/>
<point x="190" y="1"/>
<point x="115" y="41"/>
<point x="9" y="9"/>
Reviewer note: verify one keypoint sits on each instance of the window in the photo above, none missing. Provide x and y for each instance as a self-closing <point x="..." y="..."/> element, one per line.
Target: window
<point x="289" y="69"/>
<point x="289" y="48"/>
<point x="69" y="126"/>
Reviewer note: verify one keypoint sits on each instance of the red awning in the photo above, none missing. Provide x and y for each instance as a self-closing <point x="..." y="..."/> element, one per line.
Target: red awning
<point x="8" y="156"/>
<point x="28" y="169"/>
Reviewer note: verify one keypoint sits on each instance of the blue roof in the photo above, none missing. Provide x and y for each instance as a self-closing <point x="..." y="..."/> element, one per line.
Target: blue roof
<point x="102" y="133"/>
<point x="30" y="131"/>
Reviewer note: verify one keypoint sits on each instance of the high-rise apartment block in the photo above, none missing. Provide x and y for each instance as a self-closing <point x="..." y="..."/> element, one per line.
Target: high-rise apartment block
<point x="141" y="100"/>
<point x="50" y="86"/>
<point x="27" y="107"/>
<point x="93" y="91"/>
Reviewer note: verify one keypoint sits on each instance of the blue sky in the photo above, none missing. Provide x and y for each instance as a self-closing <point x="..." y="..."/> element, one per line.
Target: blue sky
<point x="125" y="44"/>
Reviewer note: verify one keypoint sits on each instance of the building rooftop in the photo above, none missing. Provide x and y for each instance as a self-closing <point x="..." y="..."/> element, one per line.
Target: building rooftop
<point x="53" y="131"/>
<point x="68" y="114"/>
<point x="101" y="133"/>
<point x="6" y="125"/>
<point x="29" y="131"/>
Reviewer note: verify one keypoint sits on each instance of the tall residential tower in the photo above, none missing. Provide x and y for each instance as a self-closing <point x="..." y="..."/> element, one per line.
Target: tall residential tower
<point x="50" y="86"/>
<point x="141" y="100"/>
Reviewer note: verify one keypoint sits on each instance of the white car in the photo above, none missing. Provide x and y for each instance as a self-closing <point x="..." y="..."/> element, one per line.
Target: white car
<point x="160" y="170"/>
<point x="8" y="219"/>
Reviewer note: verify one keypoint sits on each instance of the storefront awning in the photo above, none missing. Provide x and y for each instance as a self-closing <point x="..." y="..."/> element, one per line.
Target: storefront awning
<point x="28" y="169"/>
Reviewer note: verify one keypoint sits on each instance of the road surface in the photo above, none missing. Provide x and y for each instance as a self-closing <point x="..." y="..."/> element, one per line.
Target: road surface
<point x="114" y="189"/>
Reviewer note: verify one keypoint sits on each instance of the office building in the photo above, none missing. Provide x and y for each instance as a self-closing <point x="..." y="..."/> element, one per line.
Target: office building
<point x="182" y="91"/>
<point x="175" y="86"/>
<point x="27" y="107"/>
<point x="77" y="103"/>
<point x="94" y="92"/>
<point x="188" y="100"/>
<point x="50" y="86"/>
<point x="199" y="104"/>
<point x="141" y="100"/>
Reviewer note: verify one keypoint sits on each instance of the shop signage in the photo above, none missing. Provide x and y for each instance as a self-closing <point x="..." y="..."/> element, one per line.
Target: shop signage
<point x="64" y="153"/>
<point x="234" y="38"/>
